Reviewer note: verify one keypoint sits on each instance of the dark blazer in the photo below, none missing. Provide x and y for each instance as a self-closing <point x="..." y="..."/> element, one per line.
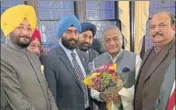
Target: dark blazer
<point x="150" y="85"/>
<point x="62" y="78"/>
<point x="92" y="54"/>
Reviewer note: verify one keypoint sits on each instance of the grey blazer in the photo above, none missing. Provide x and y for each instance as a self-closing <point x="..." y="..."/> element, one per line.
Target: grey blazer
<point x="62" y="78"/>
<point x="166" y="87"/>
<point x="25" y="87"/>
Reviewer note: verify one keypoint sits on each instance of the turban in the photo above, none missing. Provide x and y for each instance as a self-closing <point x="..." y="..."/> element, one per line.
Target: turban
<point x="65" y="23"/>
<point x="15" y="15"/>
<point x="85" y="26"/>
<point x="36" y="35"/>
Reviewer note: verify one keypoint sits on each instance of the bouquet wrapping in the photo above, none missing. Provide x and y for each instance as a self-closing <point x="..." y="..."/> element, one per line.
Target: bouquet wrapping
<point x="105" y="79"/>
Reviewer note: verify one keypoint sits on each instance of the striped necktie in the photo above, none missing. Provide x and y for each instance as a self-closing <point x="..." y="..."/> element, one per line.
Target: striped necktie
<point x="80" y="76"/>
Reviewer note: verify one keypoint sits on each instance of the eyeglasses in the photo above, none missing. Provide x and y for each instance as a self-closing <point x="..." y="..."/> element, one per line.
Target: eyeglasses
<point x="34" y="46"/>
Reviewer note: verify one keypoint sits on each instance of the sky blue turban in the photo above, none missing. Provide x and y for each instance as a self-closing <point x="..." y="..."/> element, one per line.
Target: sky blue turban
<point x="65" y="23"/>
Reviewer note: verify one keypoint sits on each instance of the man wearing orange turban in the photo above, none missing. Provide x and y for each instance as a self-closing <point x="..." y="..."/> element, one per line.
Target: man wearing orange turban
<point x="23" y="82"/>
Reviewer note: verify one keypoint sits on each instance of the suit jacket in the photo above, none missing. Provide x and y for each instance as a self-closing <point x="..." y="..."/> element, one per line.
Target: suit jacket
<point x="166" y="87"/>
<point x="92" y="54"/>
<point x="25" y="87"/>
<point x="62" y="79"/>
<point x="151" y="83"/>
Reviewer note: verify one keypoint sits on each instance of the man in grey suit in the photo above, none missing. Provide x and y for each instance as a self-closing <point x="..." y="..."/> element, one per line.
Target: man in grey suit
<point x="23" y="82"/>
<point x="128" y="65"/>
<point x="65" y="68"/>
<point x="156" y="59"/>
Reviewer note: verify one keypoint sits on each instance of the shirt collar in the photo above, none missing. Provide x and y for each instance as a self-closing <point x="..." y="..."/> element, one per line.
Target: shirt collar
<point x="66" y="49"/>
<point x="116" y="57"/>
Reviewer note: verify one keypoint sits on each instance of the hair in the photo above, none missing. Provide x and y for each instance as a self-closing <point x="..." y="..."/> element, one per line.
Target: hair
<point x="110" y="28"/>
<point x="172" y="18"/>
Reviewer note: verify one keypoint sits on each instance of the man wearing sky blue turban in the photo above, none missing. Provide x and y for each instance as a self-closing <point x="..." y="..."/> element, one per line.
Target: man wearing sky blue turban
<point x="65" y="67"/>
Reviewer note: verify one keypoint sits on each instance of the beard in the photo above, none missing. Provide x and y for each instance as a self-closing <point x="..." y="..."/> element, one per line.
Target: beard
<point x="22" y="41"/>
<point x="69" y="43"/>
<point x="84" y="46"/>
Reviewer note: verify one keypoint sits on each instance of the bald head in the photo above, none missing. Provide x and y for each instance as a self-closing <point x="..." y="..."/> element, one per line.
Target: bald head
<point x="162" y="28"/>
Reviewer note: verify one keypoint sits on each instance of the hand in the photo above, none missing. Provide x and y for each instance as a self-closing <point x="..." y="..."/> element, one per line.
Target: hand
<point x="45" y="51"/>
<point x="109" y="96"/>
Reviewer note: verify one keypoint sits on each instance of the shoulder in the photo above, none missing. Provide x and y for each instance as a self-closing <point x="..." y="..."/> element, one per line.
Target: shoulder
<point x="93" y="51"/>
<point x="49" y="56"/>
<point x="99" y="57"/>
<point x="129" y="53"/>
<point x="81" y="53"/>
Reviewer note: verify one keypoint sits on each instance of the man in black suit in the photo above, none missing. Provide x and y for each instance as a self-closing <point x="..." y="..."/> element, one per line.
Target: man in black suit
<point x="65" y="67"/>
<point x="88" y="31"/>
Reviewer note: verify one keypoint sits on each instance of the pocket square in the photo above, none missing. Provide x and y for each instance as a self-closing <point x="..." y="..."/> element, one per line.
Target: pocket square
<point x="126" y="69"/>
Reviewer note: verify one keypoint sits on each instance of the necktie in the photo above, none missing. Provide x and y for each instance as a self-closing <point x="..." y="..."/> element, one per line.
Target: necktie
<point x="171" y="101"/>
<point x="80" y="76"/>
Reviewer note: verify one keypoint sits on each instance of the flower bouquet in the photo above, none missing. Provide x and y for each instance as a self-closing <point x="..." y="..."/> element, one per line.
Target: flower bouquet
<point x="106" y="80"/>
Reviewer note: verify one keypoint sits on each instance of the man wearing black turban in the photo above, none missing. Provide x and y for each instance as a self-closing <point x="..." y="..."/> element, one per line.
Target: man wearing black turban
<point x="88" y="31"/>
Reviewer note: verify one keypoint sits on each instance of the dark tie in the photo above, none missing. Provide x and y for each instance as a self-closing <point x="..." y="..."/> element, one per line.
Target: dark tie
<point x="80" y="76"/>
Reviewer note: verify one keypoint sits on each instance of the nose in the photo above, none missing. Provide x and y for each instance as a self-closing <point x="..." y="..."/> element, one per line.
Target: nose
<point x="156" y="29"/>
<point x="86" y="39"/>
<point x="37" y="50"/>
<point x="73" y="35"/>
<point x="112" y="42"/>
<point x="26" y="32"/>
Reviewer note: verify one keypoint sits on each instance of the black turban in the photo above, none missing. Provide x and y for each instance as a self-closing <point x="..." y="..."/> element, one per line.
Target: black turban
<point x="85" y="26"/>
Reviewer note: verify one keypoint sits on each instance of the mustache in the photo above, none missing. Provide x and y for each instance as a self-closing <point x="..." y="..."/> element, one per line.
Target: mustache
<point x="72" y="39"/>
<point x="85" y="43"/>
<point x="25" y="37"/>
<point x="157" y="34"/>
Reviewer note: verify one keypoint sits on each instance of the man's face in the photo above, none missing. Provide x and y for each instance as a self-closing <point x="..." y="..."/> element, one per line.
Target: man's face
<point x="161" y="30"/>
<point x="35" y="47"/>
<point x="112" y="41"/>
<point x="85" y="40"/>
<point x="70" y="38"/>
<point x="22" y="34"/>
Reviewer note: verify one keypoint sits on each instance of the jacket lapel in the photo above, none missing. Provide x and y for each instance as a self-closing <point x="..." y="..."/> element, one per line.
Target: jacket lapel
<point x="63" y="57"/>
<point x="161" y="57"/>
<point x="144" y="60"/>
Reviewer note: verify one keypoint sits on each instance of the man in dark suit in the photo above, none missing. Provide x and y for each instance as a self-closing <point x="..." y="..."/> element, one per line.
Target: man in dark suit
<point x="156" y="59"/>
<point x="65" y="67"/>
<point x="88" y="31"/>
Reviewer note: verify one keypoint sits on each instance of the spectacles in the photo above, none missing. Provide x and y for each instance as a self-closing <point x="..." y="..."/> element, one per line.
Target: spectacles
<point x="33" y="46"/>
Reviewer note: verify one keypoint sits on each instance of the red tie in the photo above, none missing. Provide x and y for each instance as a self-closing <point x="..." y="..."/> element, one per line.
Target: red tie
<point x="171" y="102"/>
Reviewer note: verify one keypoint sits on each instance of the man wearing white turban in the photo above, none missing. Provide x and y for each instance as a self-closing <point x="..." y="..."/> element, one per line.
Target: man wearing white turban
<point x="24" y="85"/>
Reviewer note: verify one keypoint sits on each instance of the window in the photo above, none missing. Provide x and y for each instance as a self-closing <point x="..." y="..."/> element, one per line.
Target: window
<point x="102" y="14"/>
<point x="49" y="14"/>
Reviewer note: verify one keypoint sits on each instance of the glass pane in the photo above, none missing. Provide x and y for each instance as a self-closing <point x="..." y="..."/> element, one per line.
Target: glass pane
<point x="100" y="10"/>
<point x="49" y="13"/>
<point x="101" y="25"/>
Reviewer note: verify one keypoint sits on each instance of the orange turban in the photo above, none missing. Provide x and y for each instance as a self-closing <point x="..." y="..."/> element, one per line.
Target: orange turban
<point x="15" y="15"/>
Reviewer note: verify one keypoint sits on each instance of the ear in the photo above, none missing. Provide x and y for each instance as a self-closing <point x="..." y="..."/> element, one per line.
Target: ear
<point x="173" y="27"/>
